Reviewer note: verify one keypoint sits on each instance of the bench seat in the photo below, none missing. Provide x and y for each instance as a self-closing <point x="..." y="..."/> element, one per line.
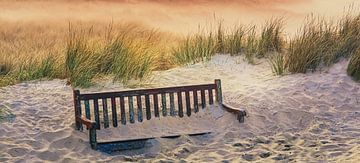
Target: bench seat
<point x="100" y="112"/>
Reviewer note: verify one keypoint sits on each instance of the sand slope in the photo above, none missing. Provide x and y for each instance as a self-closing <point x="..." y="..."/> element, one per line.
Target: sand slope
<point x="303" y="117"/>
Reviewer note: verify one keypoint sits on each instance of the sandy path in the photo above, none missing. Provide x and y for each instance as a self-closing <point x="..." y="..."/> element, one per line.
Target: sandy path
<point x="302" y="117"/>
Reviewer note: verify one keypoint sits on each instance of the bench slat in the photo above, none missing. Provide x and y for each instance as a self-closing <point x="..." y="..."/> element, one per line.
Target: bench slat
<point x="96" y="113"/>
<point x="147" y="105"/>
<point x="188" y="107"/>
<point x="163" y="104"/>
<point x="196" y="105"/>
<point x="139" y="106"/>
<point x="87" y="109"/>
<point x="172" y="105"/>
<point x="203" y="101"/>
<point x="181" y="113"/>
<point x="105" y="113"/>
<point x="156" y="105"/>
<point x="91" y="96"/>
<point x="113" y="111"/>
<point x="211" y="97"/>
<point x="122" y="110"/>
<point x="131" y="109"/>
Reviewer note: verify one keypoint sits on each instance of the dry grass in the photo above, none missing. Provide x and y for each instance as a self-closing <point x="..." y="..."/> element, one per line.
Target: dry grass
<point x="195" y="49"/>
<point x="349" y="35"/>
<point x="271" y="39"/>
<point x="353" y="69"/>
<point x="234" y="42"/>
<point x="126" y="51"/>
<point x="78" y="52"/>
<point x="313" y="46"/>
<point x="277" y="62"/>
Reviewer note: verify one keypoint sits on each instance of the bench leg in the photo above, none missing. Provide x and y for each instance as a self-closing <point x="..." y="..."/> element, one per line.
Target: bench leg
<point x="92" y="137"/>
<point x="241" y="116"/>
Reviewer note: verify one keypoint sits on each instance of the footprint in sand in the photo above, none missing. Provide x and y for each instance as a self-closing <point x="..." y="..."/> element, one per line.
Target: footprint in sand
<point x="18" y="152"/>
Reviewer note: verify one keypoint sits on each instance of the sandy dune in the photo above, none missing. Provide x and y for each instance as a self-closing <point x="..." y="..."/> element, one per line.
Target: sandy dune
<point x="302" y="117"/>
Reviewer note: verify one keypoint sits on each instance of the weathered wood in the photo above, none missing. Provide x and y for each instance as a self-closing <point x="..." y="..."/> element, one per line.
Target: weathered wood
<point x="203" y="99"/>
<point x="211" y="97"/>
<point x="131" y="109"/>
<point x="87" y="109"/>
<point x="116" y="146"/>
<point x="91" y="96"/>
<point x="147" y="105"/>
<point x="196" y="105"/>
<point x="77" y="106"/>
<point x="114" y="112"/>
<point x="240" y="113"/>
<point x="88" y="123"/>
<point x="93" y="125"/>
<point x="172" y="105"/>
<point x="105" y="113"/>
<point x="96" y="113"/>
<point x="156" y="105"/>
<point x="180" y="105"/>
<point x="188" y="106"/>
<point x="139" y="106"/>
<point x="92" y="138"/>
<point x="122" y="110"/>
<point x="218" y="91"/>
<point x="163" y="104"/>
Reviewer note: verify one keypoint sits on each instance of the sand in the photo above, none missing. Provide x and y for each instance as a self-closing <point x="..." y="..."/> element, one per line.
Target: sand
<point x="310" y="117"/>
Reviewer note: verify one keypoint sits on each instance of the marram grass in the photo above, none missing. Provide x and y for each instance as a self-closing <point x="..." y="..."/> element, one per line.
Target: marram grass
<point x="195" y="49"/>
<point x="353" y="68"/>
<point x="131" y="51"/>
<point x="271" y="38"/>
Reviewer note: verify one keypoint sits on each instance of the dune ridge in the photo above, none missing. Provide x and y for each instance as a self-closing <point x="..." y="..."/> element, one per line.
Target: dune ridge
<point x="301" y="117"/>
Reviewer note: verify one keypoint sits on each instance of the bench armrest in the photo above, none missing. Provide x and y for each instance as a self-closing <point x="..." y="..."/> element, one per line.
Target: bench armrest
<point x="88" y="123"/>
<point x="241" y="113"/>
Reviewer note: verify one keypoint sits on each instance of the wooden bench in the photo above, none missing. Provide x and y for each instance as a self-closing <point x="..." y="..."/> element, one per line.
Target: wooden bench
<point x="196" y="96"/>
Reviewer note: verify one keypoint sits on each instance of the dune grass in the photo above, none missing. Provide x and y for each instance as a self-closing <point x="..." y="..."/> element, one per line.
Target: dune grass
<point x="320" y="43"/>
<point x="195" y="49"/>
<point x="311" y="47"/>
<point x="234" y="42"/>
<point x="251" y="45"/>
<point x="78" y="52"/>
<point x="277" y="63"/>
<point x="124" y="55"/>
<point x="131" y="51"/>
<point x="238" y="40"/>
<point x="353" y="68"/>
<point x="349" y="35"/>
<point x="271" y="38"/>
<point x="80" y="59"/>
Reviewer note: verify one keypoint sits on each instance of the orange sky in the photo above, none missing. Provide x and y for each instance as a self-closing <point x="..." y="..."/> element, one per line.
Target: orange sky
<point x="170" y="15"/>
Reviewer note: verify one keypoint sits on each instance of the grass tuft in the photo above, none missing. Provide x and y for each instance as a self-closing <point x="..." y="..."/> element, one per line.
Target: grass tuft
<point x="5" y="68"/>
<point x="80" y="62"/>
<point x="314" y="46"/>
<point x="235" y="40"/>
<point x="194" y="49"/>
<point x="271" y="39"/>
<point x="353" y="68"/>
<point x="349" y="36"/>
<point x="277" y="62"/>
<point x="251" y="45"/>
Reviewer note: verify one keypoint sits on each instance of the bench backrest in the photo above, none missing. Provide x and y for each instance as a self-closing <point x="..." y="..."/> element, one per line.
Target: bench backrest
<point x="174" y="101"/>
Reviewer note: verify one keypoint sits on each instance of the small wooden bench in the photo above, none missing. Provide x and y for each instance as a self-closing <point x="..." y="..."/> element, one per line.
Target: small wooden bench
<point x="196" y="96"/>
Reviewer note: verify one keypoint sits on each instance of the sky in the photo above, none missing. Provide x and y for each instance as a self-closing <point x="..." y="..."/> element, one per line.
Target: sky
<point x="174" y="16"/>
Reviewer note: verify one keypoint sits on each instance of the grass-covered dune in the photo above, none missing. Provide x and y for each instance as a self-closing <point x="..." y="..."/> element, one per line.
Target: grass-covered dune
<point x="82" y="52"/>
